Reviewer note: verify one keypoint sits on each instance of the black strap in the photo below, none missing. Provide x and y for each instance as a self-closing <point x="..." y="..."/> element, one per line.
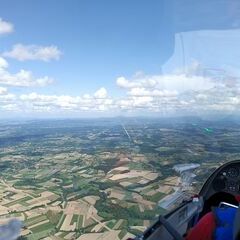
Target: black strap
<point x="236" y="225"/>
<point x="176" y="235"/>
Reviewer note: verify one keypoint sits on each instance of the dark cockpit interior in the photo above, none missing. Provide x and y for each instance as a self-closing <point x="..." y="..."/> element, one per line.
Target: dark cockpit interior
<point x="222" y="186"/>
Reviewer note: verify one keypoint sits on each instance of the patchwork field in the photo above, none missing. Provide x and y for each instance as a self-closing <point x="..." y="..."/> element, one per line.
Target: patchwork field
<point x="90" y="180"/>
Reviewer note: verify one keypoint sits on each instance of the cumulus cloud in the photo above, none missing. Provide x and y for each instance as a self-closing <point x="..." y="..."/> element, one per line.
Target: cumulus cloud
<point x="10" y="107"/>
<point x="174" y="82"/>
<point x="23" y="78"/>
<point x="99" y="101"/>
<point x="33" y="52"/>
<point x="3" y="63"/>
<point x="136" y="103"/>
<point x="148" y="82"/>
<point x="194" y="90"/>
<point x="101" y="93"/>
<point x="3" y="90"/>
<point x="153" y="92"/>
<point x="177" y="93"/>
<point x="212" y="100"/>
<point x="7" y="99"/>
<point x="5" y="27"/>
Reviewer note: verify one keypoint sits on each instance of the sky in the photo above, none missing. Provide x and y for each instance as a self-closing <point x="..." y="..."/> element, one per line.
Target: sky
<point x="93" y="58"/>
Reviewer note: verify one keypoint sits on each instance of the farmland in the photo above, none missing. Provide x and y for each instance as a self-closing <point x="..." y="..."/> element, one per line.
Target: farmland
<point x="89" y="180"/>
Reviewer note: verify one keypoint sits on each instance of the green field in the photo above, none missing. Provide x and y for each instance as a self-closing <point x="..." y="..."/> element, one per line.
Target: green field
<point x="74" y="219"/>
<point x="61" y="221"/>
<point x="79" y="221"/>
<point x="21" y="201"/>
<point x="43" y="227"/>
<point x="37" y="236"/>
<point x="31" y="221"/>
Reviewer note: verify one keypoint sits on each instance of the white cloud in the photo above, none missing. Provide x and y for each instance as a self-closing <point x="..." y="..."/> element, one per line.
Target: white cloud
<point x="159" y="93"/>
<point x="3" y="90"/>
<point x="8" y="97"/>
<point x="101" y="93"/>
<point x="3" y="63"/>
<point x="22" y="78"/>
<point x="33" y="52"/>
<point x="175" y="82"/>
<point x="98" y="102"/>
<point x="201" y="96"/>
<point x="7" y="100"/>
<point x="198" y="90"/>
<point x="5" y="27"/>
<point x="10" y="107"/>
<point x="165" y="102"/>
<point x="153" y="92"/>
<point x="170" y="92"/>
<point x="148" y="82"/>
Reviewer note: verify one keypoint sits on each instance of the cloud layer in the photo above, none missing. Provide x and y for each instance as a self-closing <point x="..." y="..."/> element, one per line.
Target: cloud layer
<point x="23" y="78"/>
<point x="141" y="95"/>
<point x="33" y="52"/>
<point x="34" y="102"/>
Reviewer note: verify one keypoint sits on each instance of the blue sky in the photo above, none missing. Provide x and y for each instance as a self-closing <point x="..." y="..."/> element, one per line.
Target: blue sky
<point x="98" y="58"/>
<point x="99" y="41"/>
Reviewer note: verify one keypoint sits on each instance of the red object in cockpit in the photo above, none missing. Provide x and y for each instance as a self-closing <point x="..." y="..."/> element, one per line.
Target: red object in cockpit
<point x="204" y="228"/>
